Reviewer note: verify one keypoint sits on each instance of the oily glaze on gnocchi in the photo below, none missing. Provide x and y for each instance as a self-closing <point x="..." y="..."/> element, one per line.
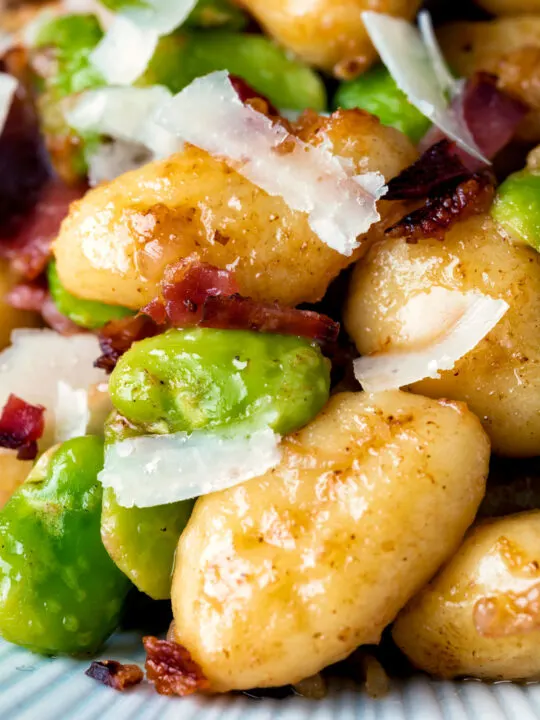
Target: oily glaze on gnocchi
<point x="481" y="615"/>
<point x="117" y="241"/>
<point x="500" y="378"/>
<point x="279" y="577"/>
<point x="327" y="33"/>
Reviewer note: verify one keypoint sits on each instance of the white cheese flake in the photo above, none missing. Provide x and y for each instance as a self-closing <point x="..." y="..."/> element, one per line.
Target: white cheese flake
<point x="159" y="469"/>
<point x="340" y="205"/>
<point x="417" y="65"/>
<point x="123" y="54"/>
<point x="45" y="368"/>
<point x="466" y="320"/>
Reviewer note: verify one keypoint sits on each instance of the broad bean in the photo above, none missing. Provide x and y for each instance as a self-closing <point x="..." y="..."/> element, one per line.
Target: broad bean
<point x="85" y="313"/>
<point x="187" y="379"/>
<point x="517" y="207"/>
<point x="376" y="91"/>
<point x="61" y="591"/>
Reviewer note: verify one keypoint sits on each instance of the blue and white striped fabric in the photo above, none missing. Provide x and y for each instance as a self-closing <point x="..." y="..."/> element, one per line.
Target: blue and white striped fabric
<point x="35" y="688"/>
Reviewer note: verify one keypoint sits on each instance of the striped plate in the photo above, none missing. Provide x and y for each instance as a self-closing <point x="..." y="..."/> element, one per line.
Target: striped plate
<point x="35" y="688"/>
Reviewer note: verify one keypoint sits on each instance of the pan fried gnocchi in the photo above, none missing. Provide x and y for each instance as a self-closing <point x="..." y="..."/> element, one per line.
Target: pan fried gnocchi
<point x="328" y="545"/>
<point x="479" y="616"/>
<point x="269" y="367"/>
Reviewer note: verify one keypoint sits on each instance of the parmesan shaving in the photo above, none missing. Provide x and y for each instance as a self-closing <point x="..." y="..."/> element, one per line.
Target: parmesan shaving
<point x="417" y="65"/>
<point x="160" y="469"/>
<point x="124" y="52"/>
<point x="340" y="205"/>
<point x="126" y="115"/>
<point x="8" y="86"/>
<point x="45" y="368"/>
<point x="466" y="317"/>
<point x="71" y="413"/>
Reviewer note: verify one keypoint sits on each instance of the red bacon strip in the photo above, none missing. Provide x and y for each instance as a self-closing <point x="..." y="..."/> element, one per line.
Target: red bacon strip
<point x="437" y="166"/>
<point x="439" y="213"/>
<point x="21" y="426"/>
<point x="119" y="335"/>
<point x="194" y="293"/>
<point x="491" y="115"/>
<point x="29" y="249"/>
<point x="171" y="669"/>
<point x="240" y="313"/>
<point x="185" y="287"/>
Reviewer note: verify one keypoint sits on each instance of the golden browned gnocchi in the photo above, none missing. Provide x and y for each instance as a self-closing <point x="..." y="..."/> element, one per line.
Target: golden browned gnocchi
<point x="13" y="473"/>
<point x="481" y="615"/>
<point x="327" y="33"/>
<point x="279" y="577"/>
<point x="500" y="378"/>
<point x="509" y="48"/>
<point x="117" y="240"/>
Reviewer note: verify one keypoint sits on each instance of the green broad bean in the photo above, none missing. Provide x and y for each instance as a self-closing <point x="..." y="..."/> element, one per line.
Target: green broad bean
<point x="71" y="38"/>
<point x="286" y="82"/>
<point x="517" y="207"/>
<point x="142" y="541"/>
<point x="61" y="591"/>
<point x="205" y="378"/>
<point x="85" y="313"/>
<point x="376" y="91"/>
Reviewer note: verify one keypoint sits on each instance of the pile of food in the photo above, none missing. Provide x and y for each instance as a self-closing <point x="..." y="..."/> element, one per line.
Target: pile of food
<point x="270" y="307"/>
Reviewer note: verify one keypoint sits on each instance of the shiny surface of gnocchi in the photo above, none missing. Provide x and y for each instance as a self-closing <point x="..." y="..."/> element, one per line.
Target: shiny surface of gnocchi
<point x="279" y="577"/>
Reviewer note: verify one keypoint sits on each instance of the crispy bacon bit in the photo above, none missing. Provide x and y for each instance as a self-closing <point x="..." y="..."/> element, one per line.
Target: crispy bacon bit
<point x="115" y="674"/>
<point x="29" y="249"/>
<point x="21" y="426"/>
<point x="437" y="166"/>
<point x="185" y="288"/>
<point x="439" y="213"/>
<point x="24" y="164"/>
<point x="491" y="115"/>
<point x="119" y="335"/>
<point x="240" y="313"/>
<point x="35" y="296"/>
<point x="247" y="95"/>
<point x="171" y="669"/>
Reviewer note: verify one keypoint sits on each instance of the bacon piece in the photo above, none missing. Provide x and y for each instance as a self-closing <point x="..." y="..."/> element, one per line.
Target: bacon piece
<point x="35" y="296"/>
<point x="29" y="249"/>
<point x="240" y="313"/>
<point x="171" y="669"/>
<point x="119" y="335"/>
<point x="185" y="287"/>
<point x="437" y="166"/>
<point x="247" y="94"/>
<point x="24" y="163"/>
<point x="21" y="426"/>
<point x="115" y="674"/>
<point x="492" y="116"/>
<point x="439" y="213"/>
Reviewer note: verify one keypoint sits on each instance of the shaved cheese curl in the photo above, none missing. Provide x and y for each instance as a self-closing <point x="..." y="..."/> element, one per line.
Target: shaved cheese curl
<point x="154" y="470"/>
<point x="419" y="72"/>
<point x="8" y="86"/>
<point x="465" y="319"/>
<point x="123" y="54"/>
<point x="340" y="206"/>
